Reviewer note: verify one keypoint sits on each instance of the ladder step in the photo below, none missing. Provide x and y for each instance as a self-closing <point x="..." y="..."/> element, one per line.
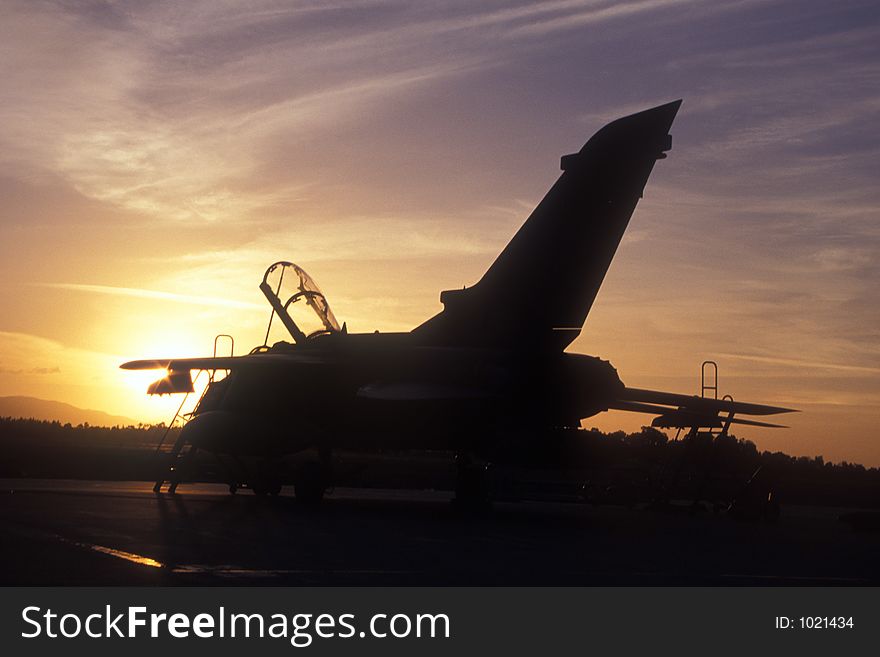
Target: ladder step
<point x="170" y="468"/>
<point x="170" y="472"/>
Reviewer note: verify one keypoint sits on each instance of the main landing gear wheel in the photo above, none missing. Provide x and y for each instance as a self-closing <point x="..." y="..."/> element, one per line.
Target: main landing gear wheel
<point x="267" y="479"/>
<point x="310" y="483"/>
<point x="266" y="488"/>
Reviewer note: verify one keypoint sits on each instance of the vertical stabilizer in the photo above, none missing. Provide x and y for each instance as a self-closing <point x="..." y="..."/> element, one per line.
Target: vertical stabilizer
<point x="541" y="287"/>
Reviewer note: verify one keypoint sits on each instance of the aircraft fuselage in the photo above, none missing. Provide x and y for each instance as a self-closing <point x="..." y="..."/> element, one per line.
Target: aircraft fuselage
<point x="389" y="391"/>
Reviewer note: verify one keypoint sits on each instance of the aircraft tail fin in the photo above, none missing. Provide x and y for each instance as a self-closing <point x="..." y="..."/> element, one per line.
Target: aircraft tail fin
<point x="541" y="287"/>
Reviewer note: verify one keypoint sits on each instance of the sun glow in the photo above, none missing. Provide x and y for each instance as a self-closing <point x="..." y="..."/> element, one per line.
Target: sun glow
<point x="161" y="343"/>
<point x="159" y="408"/>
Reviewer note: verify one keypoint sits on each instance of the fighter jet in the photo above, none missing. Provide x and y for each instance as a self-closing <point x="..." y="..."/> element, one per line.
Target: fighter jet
<point x="489" y="369"/>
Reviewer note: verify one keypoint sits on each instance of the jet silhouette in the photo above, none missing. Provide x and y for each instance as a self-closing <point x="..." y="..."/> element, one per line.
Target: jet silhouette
<point x="488" y="370"/>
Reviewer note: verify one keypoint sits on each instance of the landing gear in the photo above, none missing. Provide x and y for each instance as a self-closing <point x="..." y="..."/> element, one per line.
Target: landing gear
<point x="263" y="488"/>
<point x="266" y="476"/>
<point x="268" y="480"/>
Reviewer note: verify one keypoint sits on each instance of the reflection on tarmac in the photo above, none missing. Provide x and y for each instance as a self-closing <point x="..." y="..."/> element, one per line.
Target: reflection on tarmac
<point x="86" y="532"/>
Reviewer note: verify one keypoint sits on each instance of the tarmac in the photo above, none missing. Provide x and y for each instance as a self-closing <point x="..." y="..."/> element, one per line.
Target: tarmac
<point x="65" y="532"/>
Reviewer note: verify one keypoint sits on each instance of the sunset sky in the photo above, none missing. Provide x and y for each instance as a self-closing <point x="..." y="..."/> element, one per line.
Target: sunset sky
<point x="155" y="157"/>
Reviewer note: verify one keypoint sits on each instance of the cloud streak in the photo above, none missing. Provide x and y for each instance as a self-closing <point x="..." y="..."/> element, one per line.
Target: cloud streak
<point x="137" y="293"/>
<point x="793" y="362"/>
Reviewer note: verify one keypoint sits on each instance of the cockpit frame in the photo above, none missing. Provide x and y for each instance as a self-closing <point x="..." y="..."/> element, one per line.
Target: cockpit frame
<point x="302" y="288"/>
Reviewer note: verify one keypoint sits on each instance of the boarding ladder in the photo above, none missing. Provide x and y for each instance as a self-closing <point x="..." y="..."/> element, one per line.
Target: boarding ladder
<point x="181" y="453"/>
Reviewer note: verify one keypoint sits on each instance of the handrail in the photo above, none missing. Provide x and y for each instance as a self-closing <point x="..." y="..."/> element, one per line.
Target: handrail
<point x="703" y="386"/>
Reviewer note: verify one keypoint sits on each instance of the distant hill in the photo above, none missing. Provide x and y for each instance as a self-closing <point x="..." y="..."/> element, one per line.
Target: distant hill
<point x="43" y="409"/>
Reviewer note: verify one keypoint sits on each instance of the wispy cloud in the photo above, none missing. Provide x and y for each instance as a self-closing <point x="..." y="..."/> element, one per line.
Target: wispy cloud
<point x="794" y="362"/>
<point x="178" y="122"/>
<point x="189" y="299"/>
<point x="595" y="12"/>
<point x="31" y="370"/>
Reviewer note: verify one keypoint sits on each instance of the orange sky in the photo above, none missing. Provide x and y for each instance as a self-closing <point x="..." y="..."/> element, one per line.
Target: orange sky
<point x="156" y="157"/>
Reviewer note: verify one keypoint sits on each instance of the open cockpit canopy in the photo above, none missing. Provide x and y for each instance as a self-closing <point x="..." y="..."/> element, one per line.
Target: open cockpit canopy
<point x="298" y="302"/>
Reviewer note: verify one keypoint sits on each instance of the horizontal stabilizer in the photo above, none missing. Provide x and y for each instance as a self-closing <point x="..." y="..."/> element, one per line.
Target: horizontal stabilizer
<point x="682" y="418"/>
<point x="699" y="404"/>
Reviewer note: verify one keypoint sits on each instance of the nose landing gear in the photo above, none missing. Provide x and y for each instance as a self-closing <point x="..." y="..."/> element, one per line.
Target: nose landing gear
<point x="310" y="481"/>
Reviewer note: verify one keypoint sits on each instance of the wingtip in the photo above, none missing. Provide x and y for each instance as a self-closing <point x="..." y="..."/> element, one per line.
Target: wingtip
<point x="788" y="410"/>
<point x="144" y="365"/>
